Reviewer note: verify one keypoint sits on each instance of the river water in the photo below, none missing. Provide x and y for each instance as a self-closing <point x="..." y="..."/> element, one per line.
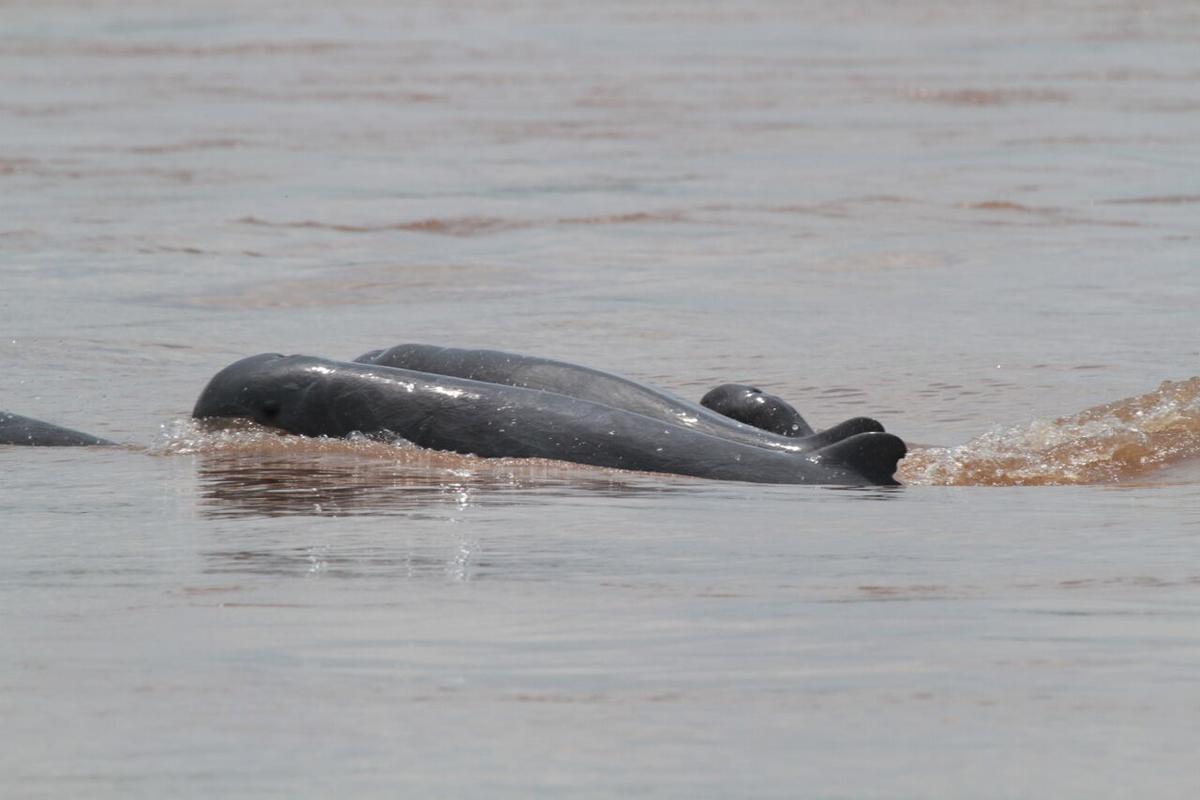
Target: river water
<point x="976" y="223"/>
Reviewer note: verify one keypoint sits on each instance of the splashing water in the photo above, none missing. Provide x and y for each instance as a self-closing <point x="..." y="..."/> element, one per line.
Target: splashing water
<point x="240" y="437"/>
<point x="1110" y="443"/>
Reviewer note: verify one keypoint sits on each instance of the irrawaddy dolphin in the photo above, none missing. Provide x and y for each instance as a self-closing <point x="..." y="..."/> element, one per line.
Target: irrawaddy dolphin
<point x="507" y="405"/>
<point x="772" y="422"/>
<point x="15" y="429"/>
<point x="318" y="397"/>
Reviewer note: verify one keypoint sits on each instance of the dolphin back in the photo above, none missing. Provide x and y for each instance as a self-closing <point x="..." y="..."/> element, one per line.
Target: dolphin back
<point x="15" y="429"/>
<point x="605" y="388"/>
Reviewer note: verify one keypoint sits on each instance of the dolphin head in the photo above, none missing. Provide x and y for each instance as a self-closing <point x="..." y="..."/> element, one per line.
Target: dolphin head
<point x="265" y="388"/>
<point x="753" y="406"/>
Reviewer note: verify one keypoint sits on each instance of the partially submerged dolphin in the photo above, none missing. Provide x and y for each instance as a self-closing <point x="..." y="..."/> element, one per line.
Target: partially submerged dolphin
<point x="319" y="397"/>
<point x="507" y="405"/>
<point x="762" y="426"/>
<point x="15" y="429"/>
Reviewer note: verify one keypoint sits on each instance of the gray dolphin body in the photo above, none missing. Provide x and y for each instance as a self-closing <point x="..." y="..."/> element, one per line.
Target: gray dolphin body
<point x="605" y="388"/>
<point x="15" y="429"/>
<point x="318" y="397"/>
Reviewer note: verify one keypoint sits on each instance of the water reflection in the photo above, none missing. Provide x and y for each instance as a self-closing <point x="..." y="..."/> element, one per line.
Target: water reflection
<point x="323" y="561"/>
<point x="868" y="492"/>
<point x="416" y="483"/>
<point x="355" y="481"/>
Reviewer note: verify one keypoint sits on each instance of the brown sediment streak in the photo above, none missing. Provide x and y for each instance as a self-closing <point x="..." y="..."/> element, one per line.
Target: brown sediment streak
<point x="833" y="209"/>
<point x="630" y="218"/>
<point x="1097" y="139"/>
<point x="156" y="49"/>
<point x="839" y="208"/>
<point x="1004" y="205"/>
<point x="884" y="198"/>
<point x="47" y="110"/>
<point x="462" y="226"/>
<point x="472" y="226"/>
<point x="1169" y="199"/>
<point x="1049" y="215"/>
<point x="904" y="592"/>
<point x="1115" y="442"/>
<point x="27" y="166"/>
<point x="450" y="226"/>
<point x="378" y="95"/>
<point x="183" y="147"/>
<point x="14" y="166"/>
<point x="175" y="175"/>
<point x="163" y="248"/>
<point x="985" y="97"/>
<point x="331" y="95"/>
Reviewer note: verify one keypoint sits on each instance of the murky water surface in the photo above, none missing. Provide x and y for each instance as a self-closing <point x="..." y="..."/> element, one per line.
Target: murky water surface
<point x="976" y="224"/>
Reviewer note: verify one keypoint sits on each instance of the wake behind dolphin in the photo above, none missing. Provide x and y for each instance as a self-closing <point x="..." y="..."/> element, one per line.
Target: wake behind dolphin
<point x="1116" y="442"/>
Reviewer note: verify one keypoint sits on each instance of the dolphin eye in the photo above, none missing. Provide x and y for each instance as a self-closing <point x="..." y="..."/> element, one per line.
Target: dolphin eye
<point x="270" y="409"/>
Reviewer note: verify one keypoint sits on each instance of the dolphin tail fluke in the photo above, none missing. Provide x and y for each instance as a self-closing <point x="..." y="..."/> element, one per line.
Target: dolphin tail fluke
<point x="872" y="455"/>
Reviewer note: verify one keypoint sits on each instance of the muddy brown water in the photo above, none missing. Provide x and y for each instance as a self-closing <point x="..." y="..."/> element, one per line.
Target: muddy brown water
<point x="976" y="223"/>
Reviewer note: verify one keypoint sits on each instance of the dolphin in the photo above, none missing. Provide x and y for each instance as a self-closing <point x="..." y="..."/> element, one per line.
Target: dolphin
<point x="319" y="397"/>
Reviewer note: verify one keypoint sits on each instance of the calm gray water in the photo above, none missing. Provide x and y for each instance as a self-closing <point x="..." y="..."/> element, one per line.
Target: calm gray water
<point x="975" y="224"/>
